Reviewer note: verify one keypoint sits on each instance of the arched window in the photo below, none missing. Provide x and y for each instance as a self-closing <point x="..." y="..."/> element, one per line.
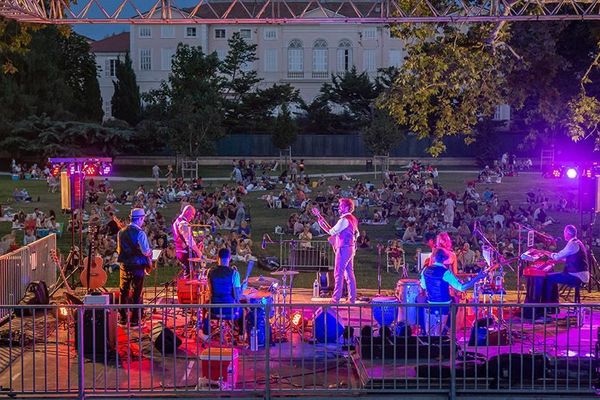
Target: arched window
<point x="344" y="55"/>
<point x="295" y="59"/>
<point x="320" y="59"/>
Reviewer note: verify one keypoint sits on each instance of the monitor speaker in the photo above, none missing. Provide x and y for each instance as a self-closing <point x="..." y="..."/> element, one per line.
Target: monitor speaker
<point x="589" y="195"/>
<point x="164" y="339"/>
<point x="326" y="325"/>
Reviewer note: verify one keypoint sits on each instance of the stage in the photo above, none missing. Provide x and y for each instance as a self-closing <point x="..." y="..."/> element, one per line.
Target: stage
<point x="555" y="354"/>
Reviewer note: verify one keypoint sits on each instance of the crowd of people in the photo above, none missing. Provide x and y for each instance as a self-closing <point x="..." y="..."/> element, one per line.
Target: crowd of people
<point x="412" y="203"/>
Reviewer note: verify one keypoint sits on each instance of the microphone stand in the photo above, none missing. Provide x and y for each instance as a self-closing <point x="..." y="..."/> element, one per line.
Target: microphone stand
<point x="379" y="248"/>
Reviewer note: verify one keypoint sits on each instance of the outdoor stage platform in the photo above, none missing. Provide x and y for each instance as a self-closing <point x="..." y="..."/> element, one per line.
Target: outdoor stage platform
<point x="556" y="354"/>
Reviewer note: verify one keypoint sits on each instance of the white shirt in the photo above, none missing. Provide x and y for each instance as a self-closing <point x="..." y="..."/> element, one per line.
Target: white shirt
<point x="341" y="224"/>
<point x="571" y="248"/>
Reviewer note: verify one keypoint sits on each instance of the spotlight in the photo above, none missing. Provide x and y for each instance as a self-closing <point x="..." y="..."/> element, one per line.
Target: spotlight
<point x="105" y="169"/>
<point x="90" y="168"/>
<point x="55" y="170"/>
<point x="297" y="320"/>
<point x="571" y="173"/>
<point x="63" y="313"/>
<point x="556" y="172"/>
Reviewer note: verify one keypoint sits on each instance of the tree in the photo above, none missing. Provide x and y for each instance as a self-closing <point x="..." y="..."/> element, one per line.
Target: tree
<point x="126" y="99"/>
<point x="382" y="134"/>
<point x="189" y="106"/>
<point x="239" y="81"/>
<point x="319" y="117"/>
<point x="450" y="79"/>
<point x="81" y="75"/>
<point x="354" y="93"/>
<point x="284" y="129"/>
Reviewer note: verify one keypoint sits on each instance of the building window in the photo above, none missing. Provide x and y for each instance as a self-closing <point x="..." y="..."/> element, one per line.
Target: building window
<point x="145" y="31"/>
<point x="270" y="34"/>
<point x="395" y="58"/>
<point x="369" y="64"/>
<point x="145" y="59"/>
<point x="295" y="59"/>
<point x="270" y="60"/>
<point x="110" y="67"/>
<point x="220" y="34"/>
<point x="166" y="58"/>
<point x="369" y="33"/>
<point x="246" y="33"/>
<point x="344" y="54"/>
<point x="190" y="32"/>
<point x="320" y="51"/>
<point x="167" y="32"/>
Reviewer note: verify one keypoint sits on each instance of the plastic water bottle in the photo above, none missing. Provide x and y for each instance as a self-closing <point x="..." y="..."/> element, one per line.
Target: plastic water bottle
<point x="316" y="288"/>
<point x="253" y="339"/>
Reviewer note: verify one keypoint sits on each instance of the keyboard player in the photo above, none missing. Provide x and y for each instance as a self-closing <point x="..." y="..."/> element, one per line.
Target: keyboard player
<point x="574" y="254"/>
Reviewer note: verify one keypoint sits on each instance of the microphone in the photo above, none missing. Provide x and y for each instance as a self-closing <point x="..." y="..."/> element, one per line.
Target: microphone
<point x="263" y="245"/>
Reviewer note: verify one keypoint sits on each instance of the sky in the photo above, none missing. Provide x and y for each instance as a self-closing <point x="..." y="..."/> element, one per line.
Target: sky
<point x="100" y="31"/>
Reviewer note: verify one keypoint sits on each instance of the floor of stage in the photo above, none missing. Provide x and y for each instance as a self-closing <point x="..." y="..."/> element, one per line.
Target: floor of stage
<point x="138" y="366"/>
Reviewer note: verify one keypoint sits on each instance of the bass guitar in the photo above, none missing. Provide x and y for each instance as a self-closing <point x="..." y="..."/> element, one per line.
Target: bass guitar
<point x="93" y="275"/>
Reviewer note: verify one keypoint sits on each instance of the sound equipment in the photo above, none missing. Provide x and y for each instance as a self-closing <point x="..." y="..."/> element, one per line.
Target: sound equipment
<point x="35" y="294"/>
<point x="486" y="332"/>
<point x="326" y="326"/>
<point x="589" y="189"/>
<point x="388" y="346"/>
<point x="516" y="368"/>
<point x="99" y="333"/>
<point x="164" y="339"/>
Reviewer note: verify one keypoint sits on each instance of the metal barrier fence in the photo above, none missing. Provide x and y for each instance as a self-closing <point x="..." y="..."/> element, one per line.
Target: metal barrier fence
<point x="313" y="255"/>
<point x="24" y="265"/>
<point x="304" y="349"/>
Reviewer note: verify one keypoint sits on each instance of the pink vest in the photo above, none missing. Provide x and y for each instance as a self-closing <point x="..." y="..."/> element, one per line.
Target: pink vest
<point x="348" y="236"/>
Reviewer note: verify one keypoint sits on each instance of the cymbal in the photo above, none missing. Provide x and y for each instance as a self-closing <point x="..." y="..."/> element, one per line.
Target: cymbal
<point x="262" y="280"/>
<point x="285" y="273"/>
<point x="258" y="295"/>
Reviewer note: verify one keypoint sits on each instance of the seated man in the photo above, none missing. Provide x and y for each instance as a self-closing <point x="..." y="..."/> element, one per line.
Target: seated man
<point x="225" y="288"/>
<point x="436" y="280"/>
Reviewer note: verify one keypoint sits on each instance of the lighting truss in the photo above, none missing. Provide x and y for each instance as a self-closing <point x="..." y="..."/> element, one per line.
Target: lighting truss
<point x="295" y="11"/>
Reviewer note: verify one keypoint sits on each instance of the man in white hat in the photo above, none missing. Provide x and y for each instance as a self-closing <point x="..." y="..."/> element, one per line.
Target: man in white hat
<point x="134" y="256"/>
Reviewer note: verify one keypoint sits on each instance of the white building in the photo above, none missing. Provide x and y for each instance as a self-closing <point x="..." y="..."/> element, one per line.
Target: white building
<point x="303" y="55"/>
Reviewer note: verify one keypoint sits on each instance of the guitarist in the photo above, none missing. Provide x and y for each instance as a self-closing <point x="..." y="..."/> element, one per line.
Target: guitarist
<point x="185" y="245"/>
<point x="134" y="257"/>
<point x="343" y="237"/>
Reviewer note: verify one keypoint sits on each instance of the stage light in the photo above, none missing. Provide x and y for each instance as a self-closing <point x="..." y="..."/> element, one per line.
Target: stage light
<point x="105" y="169"/>
<point x="571" y="173"/>
<point x="556" y="172"/>
<point x="63" y="313"/>
<point x="72" y="168"/>
<point x="55" y="170"/>
<point x="90" y="168"/>
<point x="297" y="320"/>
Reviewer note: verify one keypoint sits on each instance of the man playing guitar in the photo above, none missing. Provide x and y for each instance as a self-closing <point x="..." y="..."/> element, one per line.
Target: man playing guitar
<point x="184" y="240"/>
<point x="343" y="237"/>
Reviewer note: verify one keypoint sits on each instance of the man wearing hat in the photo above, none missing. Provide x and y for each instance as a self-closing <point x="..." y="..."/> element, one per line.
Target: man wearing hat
<point x="134" y="256"/>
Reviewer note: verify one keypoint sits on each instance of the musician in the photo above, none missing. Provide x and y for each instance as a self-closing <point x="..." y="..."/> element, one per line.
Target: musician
<point x="185" y="245"/>
<point x="134" y="255"/>
<point x="344" y="234"/>
<point x="443" y="241"/>
<point x="436" y="281"/>
<point x="576" y="271"/>
<point x="225" y="288"/>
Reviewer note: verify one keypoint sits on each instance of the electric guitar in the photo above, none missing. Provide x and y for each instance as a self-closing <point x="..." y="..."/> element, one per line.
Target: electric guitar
<point x="93" y="275"/>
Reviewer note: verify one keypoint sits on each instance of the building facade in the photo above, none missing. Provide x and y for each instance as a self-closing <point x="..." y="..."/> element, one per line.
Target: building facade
<point x="303" y="55"/>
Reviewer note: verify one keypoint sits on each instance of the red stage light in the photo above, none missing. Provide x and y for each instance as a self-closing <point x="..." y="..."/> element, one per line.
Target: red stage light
<point x="55" y="170"/>
<point x="556" y="173"/>
<point x="91" y="169"/>
<point x="297" y="320"/>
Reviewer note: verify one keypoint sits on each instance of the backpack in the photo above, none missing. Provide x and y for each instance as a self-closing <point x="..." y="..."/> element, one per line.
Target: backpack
<point x="36" y="293"/>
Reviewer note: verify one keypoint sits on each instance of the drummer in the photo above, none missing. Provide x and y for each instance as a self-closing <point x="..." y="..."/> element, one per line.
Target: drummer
<point x="436" y="281"/>
<point x="225" y="288"/>
<point x="443" y="241"/>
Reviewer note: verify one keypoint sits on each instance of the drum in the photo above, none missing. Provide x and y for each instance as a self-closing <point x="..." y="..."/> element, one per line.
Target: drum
<point x="387" y="313"/>
<point x="188" y="291"/>
<point x="255" y="318"/>
<point x="407" y="291"/>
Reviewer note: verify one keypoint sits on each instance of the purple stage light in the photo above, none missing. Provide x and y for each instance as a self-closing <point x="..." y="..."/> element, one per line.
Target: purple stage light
<point x="572" y="173"/>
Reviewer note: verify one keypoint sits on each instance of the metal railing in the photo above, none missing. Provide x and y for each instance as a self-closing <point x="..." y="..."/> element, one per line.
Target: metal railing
<point x="314" y="255"/>
<point x="304" y="349"/>
<point x="24" y="265"/>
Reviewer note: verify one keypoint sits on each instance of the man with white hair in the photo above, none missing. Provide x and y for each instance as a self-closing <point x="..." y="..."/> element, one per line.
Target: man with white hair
<point x="576" y="271"/>
<point x="185" y="245"/>
<point x="134" y="254"/>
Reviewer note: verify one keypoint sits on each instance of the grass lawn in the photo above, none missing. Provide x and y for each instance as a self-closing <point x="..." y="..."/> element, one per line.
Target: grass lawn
<point x="264" y="219"/>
